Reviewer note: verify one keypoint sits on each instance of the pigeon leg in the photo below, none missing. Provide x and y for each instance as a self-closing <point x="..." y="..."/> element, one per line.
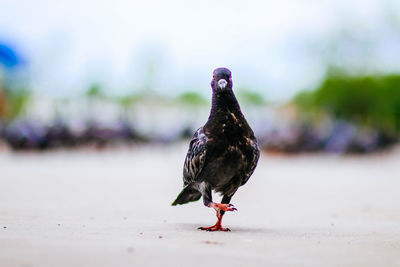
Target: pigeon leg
<point x="219" y="207"/>
<point x="225" y="200"/>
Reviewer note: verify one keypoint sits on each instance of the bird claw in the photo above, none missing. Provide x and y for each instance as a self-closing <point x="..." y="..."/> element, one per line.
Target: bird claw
<point x="214" y="228"/>
<point x="219" y="229"/>
<point x="232" y="207"/>
<point x="225" y="207"/>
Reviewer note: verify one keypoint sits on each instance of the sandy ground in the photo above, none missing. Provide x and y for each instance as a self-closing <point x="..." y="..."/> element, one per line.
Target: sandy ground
<point x="80" y="208"/>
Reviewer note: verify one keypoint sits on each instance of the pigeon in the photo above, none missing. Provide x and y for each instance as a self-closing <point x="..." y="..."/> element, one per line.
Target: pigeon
<point x="222" y="154"/>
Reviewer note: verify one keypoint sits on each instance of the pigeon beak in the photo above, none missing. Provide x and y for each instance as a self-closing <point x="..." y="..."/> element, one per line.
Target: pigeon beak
<point x="222" y="83"/>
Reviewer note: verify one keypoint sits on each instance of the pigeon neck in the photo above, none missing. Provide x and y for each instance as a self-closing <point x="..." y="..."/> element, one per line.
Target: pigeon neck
<point x="224" y="102"/>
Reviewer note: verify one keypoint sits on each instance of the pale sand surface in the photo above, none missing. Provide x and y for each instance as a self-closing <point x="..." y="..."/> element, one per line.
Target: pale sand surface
<point x="112" y="208"/>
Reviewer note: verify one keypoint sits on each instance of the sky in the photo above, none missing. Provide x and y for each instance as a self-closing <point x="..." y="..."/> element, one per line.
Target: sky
<point x="276" y="48"/>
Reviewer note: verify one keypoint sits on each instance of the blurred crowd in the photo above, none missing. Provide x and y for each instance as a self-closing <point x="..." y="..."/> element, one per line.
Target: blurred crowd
<point x="292" y="136"/>
<point x="339" y="137"/>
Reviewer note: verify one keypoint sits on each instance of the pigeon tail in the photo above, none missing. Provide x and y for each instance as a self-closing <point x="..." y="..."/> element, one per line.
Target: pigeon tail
<point x="188" y="194"/>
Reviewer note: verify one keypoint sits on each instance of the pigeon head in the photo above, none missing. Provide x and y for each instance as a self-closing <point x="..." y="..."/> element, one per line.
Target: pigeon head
<point x="222" y="80"/>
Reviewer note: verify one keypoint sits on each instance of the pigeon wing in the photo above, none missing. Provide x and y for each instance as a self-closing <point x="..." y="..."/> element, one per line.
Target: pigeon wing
<point x="252" y="164"/>
<point x="195" y="158"/>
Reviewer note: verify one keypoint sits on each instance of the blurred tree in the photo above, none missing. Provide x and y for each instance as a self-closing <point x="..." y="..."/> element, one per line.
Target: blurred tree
<point x="372" y="101"/>
<point x="14" y="102"/>
<point x="192" y="98"/>
<point x="125" y="101"/>
<point x="2" y="100"/>
<point x="95" y="91"/>
<point x="250" y="97"/>
<point x="12" y="97"/>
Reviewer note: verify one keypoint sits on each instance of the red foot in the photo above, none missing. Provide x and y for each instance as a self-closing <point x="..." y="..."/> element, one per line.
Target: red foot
<point x="216" y="227"/>
<point x="218" y="207"/>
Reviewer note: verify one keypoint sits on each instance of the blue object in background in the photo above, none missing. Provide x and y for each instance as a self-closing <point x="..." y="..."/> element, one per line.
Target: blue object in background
<point x="8" y="57"/>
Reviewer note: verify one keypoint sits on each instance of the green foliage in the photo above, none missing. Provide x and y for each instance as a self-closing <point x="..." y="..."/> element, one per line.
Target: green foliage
<point x="305" y="100"/>
<point x="368" y="100"/>
<point x="95" y="91"/>
<point x="251" y="97"/>
<point x="127" y="101"/>
<point x="192" y="98"/>
<point x="15" y="102"/>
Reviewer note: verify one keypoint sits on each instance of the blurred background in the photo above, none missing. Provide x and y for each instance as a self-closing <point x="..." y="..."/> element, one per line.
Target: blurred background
<point x="311" y="76"/>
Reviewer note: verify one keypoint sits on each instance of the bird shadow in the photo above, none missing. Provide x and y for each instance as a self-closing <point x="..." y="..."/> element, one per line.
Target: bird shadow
<point x="257" y="231"/>
<point x="190" y="227"/>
